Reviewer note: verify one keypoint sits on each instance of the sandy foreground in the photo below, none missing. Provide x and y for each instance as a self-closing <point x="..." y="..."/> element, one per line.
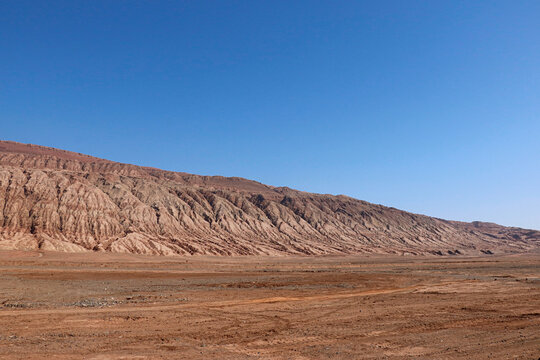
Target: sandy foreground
<point x="106" y="306"/>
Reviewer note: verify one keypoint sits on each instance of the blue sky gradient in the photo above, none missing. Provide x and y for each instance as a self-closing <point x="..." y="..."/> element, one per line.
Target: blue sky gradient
<point x="428" y="106"/>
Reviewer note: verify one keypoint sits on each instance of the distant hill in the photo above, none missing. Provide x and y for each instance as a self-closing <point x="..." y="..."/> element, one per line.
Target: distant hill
<point x="53" y="199"/>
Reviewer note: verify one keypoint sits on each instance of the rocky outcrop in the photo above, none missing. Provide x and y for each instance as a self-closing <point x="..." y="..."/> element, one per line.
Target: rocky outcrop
<point x="57" y="200"/>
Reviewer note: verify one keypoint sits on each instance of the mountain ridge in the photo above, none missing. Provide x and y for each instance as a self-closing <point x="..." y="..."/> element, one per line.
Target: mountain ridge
<point x="59" y="200"/>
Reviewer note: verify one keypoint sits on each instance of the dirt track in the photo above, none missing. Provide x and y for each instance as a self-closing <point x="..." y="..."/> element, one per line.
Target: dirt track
<point x="104" y="306"/>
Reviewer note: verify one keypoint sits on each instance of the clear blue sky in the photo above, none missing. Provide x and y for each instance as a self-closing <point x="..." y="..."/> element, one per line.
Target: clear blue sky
<point x="427" y="106"/>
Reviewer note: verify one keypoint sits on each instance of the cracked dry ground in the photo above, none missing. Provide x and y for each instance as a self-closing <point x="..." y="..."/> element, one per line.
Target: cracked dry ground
<point x="106" y="306"/>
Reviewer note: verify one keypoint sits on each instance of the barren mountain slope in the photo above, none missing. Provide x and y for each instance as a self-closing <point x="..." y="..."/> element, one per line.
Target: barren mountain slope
<point x="58" y="200"/>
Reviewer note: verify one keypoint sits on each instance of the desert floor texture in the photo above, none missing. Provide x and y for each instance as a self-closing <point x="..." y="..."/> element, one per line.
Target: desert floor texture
<point x="107" y="306"/>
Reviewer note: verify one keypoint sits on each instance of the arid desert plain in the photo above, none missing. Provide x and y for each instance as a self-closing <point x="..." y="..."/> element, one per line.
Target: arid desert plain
<point x="113" y="306"/>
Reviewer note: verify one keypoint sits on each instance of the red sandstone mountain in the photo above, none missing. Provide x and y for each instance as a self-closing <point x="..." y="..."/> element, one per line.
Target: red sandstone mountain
<point x="59" y="200"/>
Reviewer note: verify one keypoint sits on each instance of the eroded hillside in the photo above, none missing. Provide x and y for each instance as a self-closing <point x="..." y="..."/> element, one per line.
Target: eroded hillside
<point x="58" y="200"/>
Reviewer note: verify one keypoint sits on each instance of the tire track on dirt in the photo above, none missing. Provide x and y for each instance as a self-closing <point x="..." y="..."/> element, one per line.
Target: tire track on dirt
<point x="217" y="304"/>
